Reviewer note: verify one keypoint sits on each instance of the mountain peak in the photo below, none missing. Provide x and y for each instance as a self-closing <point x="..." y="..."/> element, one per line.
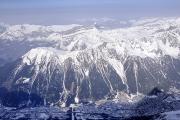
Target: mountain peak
<point x="37" y="55"/>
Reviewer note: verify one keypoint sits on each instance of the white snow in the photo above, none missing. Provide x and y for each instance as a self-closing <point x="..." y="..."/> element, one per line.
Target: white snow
<point x="76" y="99"/>
<point x="118" y="66"/>
<point x="46" y="54"/>
<point x="18" y="32"/>
<point x="23" y="80"/>
<point x="87" y="72"/>
<point x="26" y="80"/>
<point x="142" y="39"/>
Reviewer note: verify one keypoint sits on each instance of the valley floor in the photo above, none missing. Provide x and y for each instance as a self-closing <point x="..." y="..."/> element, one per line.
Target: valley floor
<point x="89" y="112"/>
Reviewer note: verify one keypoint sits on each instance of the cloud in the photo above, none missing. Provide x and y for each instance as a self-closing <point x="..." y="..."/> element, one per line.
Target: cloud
<point x="104" y="19"/>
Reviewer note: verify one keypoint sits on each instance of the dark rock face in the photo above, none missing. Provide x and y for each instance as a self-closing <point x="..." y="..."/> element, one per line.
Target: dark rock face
<point x="162" y="74"/>
<point x="19" y="98"/>
<point x="57" y="83"/>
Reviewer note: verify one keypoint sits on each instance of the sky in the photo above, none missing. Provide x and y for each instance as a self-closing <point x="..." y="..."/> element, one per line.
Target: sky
<point x="50" y="12"/>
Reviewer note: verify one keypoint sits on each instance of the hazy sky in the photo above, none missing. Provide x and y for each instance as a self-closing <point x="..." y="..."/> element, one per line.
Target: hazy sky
<point x="76" y="11"/>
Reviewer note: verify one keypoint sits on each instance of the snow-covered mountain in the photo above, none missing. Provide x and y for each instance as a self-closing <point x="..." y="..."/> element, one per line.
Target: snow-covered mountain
<point x="75" y="63"/>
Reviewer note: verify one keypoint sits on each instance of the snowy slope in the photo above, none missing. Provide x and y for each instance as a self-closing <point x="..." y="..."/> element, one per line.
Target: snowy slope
<point x="146" y="38"/>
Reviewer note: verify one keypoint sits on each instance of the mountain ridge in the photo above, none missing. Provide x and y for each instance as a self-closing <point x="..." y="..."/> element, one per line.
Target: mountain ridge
<point x="90" y="64"/>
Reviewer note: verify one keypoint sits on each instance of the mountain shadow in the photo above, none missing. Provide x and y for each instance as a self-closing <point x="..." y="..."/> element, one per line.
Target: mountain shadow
<point x="155" y="103"/>
<point x="19" y="98"/>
